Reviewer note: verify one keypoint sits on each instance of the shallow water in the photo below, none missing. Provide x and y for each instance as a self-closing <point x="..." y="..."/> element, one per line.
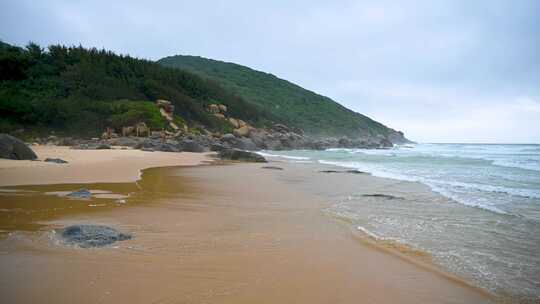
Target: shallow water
<point x="484" y="227"/>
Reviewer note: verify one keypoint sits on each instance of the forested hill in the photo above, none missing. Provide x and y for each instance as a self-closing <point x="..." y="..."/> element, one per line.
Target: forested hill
<point x="78" y="91"/>
<point x="290" y="103"/>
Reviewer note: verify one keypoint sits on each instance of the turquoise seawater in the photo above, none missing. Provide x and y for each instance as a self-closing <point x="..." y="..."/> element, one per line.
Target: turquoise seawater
<point x="485" y="227"/>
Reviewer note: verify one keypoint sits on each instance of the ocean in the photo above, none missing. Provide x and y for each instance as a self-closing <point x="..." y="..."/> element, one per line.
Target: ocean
<point x="486" y="225"/>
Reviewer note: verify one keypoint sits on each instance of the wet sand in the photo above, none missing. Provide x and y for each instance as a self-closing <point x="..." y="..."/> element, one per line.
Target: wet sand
<point x="89" y="166"/>
<point x="221" y="234"/>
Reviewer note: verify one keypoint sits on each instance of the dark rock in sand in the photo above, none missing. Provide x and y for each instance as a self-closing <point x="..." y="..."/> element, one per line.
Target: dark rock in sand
<point x="92" y="146"/>
<point x="87" y="236"/>
<point x="380" y="195"/>
<point x="272" y="168"/>
<point x="355" y="172"/>
<point x="55" y="160"/>
<point x="240" y="155"/>
<point x="102" y="146"/>
<point x="82" y="193"/>
<point x="346" y="171"/>
<point x="13" y="148"/>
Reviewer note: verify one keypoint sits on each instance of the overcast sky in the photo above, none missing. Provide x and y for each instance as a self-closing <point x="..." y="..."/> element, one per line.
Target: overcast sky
<point x="441" y="71"/>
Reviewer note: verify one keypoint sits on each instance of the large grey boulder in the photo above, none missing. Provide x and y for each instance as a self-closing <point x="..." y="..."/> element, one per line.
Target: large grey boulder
<point x="13" y="148"/>
<point x="246" y="144"/>
<point x="87" y="236"/>
<point x="240" y="155"/>
<point x="189" y="145"/>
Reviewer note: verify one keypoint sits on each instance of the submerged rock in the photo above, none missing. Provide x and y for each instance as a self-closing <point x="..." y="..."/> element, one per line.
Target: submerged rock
<point x="240" y="155"/>
<point x="55" y="160"/>
<point x="380" y="195"/>
<point x="346" y="171"/>
<point x="87" y="236"/>
<point x="82" y="193"/>
<point x="14" y="148"/>
<point x="272" y="168"/>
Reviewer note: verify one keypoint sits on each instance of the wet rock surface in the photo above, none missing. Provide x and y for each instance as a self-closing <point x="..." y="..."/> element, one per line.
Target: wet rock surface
<point x="82" y="193"/>
<point x="88" y="236"/>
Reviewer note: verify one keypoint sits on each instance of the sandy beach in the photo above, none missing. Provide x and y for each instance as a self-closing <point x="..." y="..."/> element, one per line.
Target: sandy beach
<point x="89" y="166"/>
<point x="209" y="234"/>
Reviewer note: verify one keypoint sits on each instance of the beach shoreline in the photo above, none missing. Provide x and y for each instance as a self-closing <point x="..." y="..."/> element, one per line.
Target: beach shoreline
<point x="226" y="234"/>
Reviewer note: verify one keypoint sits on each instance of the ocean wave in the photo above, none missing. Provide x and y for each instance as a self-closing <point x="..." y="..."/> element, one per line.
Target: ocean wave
<point x="534" y="166"/>
<point x="283" y="156"/>
<point x="448" y="189"/>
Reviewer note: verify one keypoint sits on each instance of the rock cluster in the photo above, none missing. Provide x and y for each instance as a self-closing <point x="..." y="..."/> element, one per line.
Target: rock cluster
<point x="278" y="137"/>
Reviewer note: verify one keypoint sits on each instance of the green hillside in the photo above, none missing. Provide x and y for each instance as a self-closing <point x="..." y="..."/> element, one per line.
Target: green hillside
<point x="289" y="103"/>
<point x="78" y="91"/>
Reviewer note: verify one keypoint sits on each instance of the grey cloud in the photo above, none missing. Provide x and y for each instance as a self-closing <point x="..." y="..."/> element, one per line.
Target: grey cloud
<point x="409" y="64"/>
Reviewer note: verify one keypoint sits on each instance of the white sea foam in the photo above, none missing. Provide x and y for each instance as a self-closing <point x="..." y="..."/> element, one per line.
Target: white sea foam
<point x="369" y="233"/>
<point x="443" y="187"/>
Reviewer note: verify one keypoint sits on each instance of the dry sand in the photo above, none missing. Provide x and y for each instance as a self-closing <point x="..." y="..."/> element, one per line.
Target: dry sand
<point x="222" y="234"/>
<point x="89" y="166"/>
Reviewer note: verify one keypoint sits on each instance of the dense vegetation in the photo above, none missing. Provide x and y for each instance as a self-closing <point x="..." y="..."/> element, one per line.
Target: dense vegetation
<point x="78" y="91"/>
<point x="291" y="104"/>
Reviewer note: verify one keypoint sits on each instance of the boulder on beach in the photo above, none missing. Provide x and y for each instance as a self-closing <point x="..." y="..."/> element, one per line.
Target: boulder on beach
<point x="189" y="145"/>
<point x="240" y="155"/>
<point x="87" y="236"/>
<point x="14" y="148"/>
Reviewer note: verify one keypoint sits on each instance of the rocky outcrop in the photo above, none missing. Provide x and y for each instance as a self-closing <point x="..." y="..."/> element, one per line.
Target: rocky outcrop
<point x="87" y="236"/>
<point x="241" y="155"/>
<point x="14" y="148"/>
<point x="242" y="131"/>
